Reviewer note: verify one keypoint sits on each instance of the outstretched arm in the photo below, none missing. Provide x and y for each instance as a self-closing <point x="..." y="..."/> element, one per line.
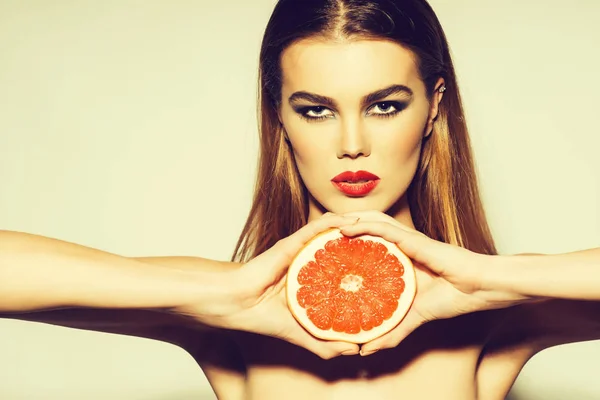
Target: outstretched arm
<point x="48" y="280"/>
<point x="574" y="276"/>
<point x="558" y="295"/>
<point x="52" y="281"/>
<point x="564" y="294"/>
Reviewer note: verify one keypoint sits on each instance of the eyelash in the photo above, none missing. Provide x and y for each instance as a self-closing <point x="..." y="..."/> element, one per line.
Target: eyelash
<point x="303" y="111"/>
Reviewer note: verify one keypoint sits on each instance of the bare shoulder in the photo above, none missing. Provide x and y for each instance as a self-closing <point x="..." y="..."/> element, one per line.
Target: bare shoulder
<point x="518" y="333"/>
<point x="507" y="348"/>
<point x="219" y="356"/>
<point x="554" y="322"/>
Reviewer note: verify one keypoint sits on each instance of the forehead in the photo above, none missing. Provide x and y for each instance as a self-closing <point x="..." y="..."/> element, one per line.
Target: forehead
<point x="346" y="68"/>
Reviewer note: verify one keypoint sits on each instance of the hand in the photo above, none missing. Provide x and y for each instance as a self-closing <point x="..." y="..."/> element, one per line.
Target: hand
<point x="256" y="299"/>
<point x="448" y="277"/>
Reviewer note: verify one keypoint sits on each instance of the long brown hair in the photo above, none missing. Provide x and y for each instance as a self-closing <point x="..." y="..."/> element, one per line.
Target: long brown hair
<point x="443" y="196"/>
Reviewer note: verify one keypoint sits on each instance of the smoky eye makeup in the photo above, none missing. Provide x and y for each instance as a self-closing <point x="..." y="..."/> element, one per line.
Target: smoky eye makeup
<point x="313" y="112"/>
<point x="381" y="109"/>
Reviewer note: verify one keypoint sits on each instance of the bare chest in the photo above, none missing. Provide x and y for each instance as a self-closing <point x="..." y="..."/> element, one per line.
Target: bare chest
<point x="442" y="360"/>
<point x="435" y="374"/>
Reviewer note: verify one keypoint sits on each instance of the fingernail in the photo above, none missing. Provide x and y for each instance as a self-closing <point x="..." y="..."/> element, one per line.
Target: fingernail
<point x="367" y="353"/>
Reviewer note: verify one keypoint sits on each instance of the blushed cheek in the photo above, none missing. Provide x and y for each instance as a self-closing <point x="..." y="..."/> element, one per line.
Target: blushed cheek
<point x="310" y="145"/>
<point x="304" y="151"/>
<point x="311" y="165"/>
<point x="403" y="145"/>
<point x="408" y="150"/>
<point x="309" y="156"/>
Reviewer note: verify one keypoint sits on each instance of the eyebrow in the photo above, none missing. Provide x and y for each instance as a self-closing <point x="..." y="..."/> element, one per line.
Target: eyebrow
<point x="366" y="100"/>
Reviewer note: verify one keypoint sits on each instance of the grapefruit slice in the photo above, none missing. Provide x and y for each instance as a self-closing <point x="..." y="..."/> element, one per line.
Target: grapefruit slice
<point x="350" y="289"/>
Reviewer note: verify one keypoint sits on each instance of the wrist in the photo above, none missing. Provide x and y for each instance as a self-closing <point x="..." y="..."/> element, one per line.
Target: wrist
<point x="500" y="278"/>
<point x="210" y="297"/>
<point x="573" y="276"/>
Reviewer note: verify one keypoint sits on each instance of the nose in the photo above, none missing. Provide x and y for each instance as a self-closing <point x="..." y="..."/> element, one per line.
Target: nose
<point x="353" y="141"/>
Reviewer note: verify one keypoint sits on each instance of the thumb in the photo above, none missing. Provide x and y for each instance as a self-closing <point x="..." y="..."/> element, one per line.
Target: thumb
<point x="391" y="339"/>
<point x="275" y="261"/>
<point x="322" y="348"/>
<point x="414" y="244"/>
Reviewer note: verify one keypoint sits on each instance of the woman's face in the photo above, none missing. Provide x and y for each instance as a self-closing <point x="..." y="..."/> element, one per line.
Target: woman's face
<point x="355" y="106"/>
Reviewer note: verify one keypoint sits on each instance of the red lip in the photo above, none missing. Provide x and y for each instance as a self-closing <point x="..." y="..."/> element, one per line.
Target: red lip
<point x="349" y="176"/>
<point x="359" y="183"/>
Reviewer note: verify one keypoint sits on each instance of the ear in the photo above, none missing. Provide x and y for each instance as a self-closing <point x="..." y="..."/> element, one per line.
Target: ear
<point x="436" y="98"/>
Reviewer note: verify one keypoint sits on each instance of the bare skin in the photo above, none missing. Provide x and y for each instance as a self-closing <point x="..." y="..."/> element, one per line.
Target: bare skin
<point x="472" y="356"/>
<point x="383" y="137"/>
<point x="447" y="350"/>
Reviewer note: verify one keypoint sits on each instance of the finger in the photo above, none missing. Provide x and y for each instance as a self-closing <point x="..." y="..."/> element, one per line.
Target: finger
<point x="412" y="243"/>
<point x="378" y="216"/>
<point x="370" y="216"/>
<point x="328" y="350"/>
<point x="391" y="339"/>
<point x="286" y="249"/>
<point x="313" y="228"/>
<point x="323" y="348"/>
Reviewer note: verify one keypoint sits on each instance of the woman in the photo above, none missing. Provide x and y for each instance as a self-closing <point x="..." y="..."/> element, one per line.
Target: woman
<point x="344" y="87"/>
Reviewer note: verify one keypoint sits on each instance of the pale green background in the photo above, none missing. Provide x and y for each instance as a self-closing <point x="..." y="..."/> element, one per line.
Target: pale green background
<point x="129" y="126"/>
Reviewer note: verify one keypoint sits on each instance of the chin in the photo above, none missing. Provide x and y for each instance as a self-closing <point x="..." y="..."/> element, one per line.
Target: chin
<point x="343" y="204"/>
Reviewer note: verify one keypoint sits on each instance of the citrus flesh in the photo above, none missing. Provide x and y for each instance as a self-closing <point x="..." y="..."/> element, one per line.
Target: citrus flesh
<point x="350" y="289"/>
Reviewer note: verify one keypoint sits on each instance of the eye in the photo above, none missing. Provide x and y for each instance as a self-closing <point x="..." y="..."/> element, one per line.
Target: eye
<point x="314" y="113"/>
<point x="387" y="108"/>
<point x="384" y="109"/>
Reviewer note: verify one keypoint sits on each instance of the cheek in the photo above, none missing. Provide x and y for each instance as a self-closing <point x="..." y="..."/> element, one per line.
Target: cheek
<point x="404" y="148"/>
<point x="394" y="145"/>
<point x="312" y="144"/>
<point x="400" y="142"/>
<point x="307" y="149"/>
<point x="313" y="158"/>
